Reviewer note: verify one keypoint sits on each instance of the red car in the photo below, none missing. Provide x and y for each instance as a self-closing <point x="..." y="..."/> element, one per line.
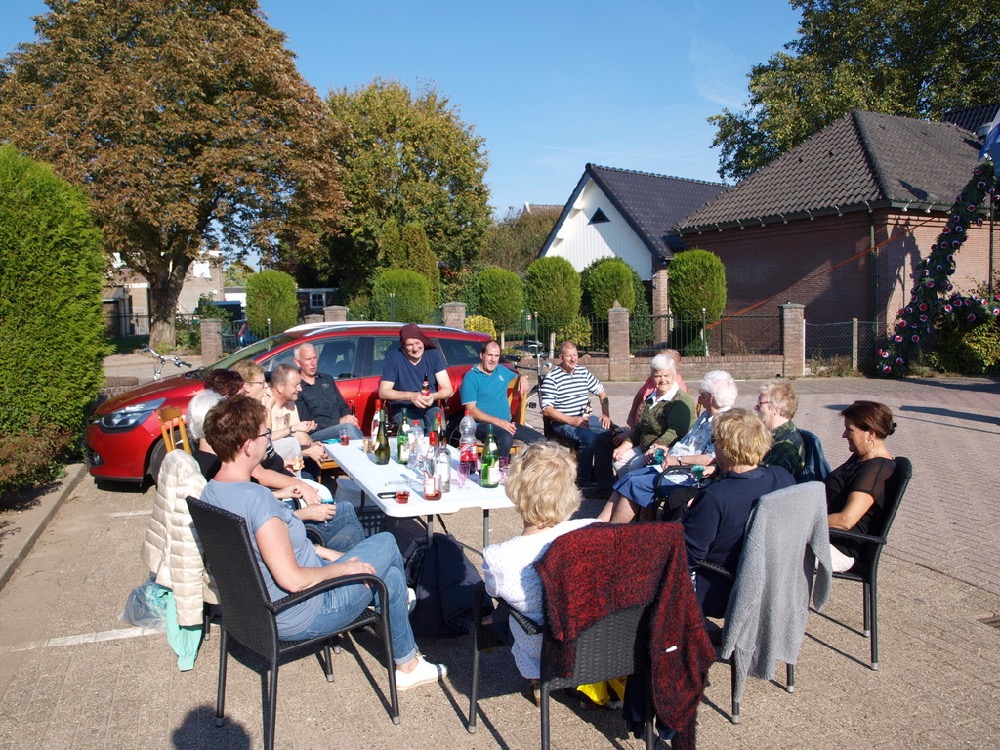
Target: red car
<point x="123" y="438"/>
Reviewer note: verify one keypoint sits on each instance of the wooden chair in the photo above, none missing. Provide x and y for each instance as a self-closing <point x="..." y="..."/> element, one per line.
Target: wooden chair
<point x="249" y="614"/>
<point x="172" y="418"/>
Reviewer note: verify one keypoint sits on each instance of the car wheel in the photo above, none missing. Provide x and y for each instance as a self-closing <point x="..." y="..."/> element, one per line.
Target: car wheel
<point x="452" y="429"/>
<point x="156" y="456"/>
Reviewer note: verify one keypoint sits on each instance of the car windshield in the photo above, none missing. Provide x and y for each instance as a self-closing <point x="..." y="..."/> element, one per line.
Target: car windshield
<point x="264" y="345"/>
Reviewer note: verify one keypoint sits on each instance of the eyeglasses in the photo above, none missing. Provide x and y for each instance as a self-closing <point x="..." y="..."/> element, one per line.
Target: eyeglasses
<point x="761" y="402"/>
<point x="258" y="382"/>
<point x="267" y="434"/>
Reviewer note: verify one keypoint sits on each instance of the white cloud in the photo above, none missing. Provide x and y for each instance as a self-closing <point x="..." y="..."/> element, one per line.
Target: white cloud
<point x="719" y="74"/>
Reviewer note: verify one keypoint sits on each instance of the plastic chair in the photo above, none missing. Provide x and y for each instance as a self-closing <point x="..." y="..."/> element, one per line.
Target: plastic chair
<point x="868" y="551"/>
<point x="249" y="614"/>
<point x="172" y="418"/>
<point x="769" y="602"/>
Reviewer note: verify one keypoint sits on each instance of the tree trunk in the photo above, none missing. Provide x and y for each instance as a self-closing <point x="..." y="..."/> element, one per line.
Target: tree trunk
<point x="164" y="291"/>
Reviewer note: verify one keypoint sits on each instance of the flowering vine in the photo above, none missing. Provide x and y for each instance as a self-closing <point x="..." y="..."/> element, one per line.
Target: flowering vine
<point x="932" y="296"/>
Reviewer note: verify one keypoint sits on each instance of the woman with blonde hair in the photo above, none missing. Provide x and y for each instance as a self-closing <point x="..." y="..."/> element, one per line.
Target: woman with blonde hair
<point x="542" y="485"/>
<point x="716" y="522"/>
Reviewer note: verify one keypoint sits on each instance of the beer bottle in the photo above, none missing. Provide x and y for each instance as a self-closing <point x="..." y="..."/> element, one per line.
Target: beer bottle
<point x="382" y="440"/>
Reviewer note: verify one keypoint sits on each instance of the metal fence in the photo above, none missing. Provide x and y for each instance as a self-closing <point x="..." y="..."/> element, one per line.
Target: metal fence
<point x="854" y="340"/>
<point x="741" y="335"/>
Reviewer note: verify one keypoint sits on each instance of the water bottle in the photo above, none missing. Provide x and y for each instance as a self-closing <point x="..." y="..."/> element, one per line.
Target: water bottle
<point x="442" y="468"/>
<point x="467" y="443"/>
<point x="416" y="451"/>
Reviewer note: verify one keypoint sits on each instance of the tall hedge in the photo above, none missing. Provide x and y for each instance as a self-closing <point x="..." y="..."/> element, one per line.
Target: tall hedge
<point x="52" y="343"/>
<point x="412" y="303"/>
<point x="271" y="295"/>
<point x="697" y="280"/>
<point x="499" y="295"/>
<point x="605" y="281"/>
<point x="552" y="289"/>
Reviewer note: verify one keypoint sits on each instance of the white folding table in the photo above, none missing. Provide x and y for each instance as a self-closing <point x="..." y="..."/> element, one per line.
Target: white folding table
<point x="375" y="480"/>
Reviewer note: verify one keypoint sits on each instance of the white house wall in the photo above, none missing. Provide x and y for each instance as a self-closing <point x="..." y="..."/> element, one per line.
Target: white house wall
<point x="581" y="243"/>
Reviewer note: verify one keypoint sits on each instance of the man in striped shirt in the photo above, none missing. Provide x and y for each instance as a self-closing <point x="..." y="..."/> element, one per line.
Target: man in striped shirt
<point x="566" y="403"/>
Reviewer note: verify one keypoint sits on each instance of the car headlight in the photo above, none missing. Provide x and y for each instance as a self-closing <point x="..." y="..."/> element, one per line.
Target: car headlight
<point x="129" y="416"/>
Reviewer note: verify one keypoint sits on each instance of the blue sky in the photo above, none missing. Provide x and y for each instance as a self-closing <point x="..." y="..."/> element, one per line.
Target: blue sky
<point x="549" y="85"/>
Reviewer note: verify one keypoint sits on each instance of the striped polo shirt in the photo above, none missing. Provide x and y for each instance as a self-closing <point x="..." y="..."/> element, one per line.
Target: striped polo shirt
<point x="568" y="391"/>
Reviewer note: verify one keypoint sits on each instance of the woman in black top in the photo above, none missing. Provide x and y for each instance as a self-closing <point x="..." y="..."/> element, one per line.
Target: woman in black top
<point x="855" y="491"/>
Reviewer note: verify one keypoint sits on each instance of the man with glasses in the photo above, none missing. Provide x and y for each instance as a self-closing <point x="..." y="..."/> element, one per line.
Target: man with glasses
<point x="320" y="400"/>
<point x="776" y="405"/>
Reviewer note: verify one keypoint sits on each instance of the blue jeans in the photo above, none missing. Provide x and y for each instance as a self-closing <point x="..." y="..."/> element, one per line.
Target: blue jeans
<point x="343" y="531"/>
<point x="333" y="432"/>
<point x="593" y="451"/>
<point x="339" y="607"/>
<point x="427" y="416"/>
<point x="505" y="440"/>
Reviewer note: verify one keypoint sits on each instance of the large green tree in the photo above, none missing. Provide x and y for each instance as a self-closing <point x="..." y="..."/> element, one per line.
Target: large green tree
<point x="917" y="58"/>
<point x="186" y="122"/>
<point x="412" y="159"/>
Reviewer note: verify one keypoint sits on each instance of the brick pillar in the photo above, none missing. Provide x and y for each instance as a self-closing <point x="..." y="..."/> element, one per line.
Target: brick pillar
<point x="619" y="344"/>
<point x="453" y="314"/>
<point x="211" y="340"/>
<point x="793" y="340"/>
<point x="661" y="306"/>
<point x="312" y="318"/>
<point x="335" y="314"/>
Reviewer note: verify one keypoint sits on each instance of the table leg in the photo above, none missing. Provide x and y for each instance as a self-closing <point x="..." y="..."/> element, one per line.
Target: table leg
<point x="430" y="529"/>
<point x="486" y="527"/>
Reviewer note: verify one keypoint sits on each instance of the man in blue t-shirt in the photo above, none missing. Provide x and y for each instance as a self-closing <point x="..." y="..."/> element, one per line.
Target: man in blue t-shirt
<point x="484" y="396"/>
<point x="404" y="373"/>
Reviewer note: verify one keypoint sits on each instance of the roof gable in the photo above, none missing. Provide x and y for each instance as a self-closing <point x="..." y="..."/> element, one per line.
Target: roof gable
<point x="860" y="161"/>
<point x="653" y="204"/>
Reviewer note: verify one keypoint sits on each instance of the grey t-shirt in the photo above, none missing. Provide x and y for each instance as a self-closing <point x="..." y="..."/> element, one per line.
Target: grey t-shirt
<point x="257" y="506"/>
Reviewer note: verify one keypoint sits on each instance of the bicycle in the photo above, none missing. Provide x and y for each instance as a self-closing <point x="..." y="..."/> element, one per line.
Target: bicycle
<point x="534" y="395"/>
<point x="158" y="367"/>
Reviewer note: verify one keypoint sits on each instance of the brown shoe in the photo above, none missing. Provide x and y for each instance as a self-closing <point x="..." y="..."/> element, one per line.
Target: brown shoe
<point x="533" y="692"/>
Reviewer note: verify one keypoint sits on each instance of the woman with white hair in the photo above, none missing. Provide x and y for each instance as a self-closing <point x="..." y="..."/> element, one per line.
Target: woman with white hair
<point x="665" y="417"/>
<point x="717" y="394"/>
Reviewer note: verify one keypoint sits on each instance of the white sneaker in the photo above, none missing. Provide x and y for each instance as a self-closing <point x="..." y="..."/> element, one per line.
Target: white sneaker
<point x="424" y="673"/>
<point x="411" y="600"/>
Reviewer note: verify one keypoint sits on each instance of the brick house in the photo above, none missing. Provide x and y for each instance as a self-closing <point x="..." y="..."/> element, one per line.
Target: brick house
<point x="839" y="222"/>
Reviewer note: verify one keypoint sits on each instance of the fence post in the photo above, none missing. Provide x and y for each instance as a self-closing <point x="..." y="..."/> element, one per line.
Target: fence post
<point x="619" y="346"/>
<point x="269" y="327"/>
<point x="335" y="314"/>
<point x="854" y="344"/>
<point x="704" y="331"/>
<point x="793" y="340"/>
<point x="453" y="314"/>
<point x="661" y="305"/>
<point x="313" y="318"/>
<point x="211" y="340"/>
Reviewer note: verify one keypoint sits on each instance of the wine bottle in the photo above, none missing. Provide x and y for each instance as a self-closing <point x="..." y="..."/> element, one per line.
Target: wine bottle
<point x="489" y="474"/>
<point x="382" y="440"/>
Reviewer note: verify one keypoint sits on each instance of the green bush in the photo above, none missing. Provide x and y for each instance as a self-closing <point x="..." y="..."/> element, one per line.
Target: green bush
<point x="52" y="343"/>
<point x="552" y="289"/>
<point x="580" y="332"/>
<point x="603" y="282"/>
<point x="481" y="324"/>
<point x="412" y="301"/>
<point x="271" y="295"/>
<point x="697" y="280"/>
<point x="640" y="322"/>
<point x="499" y="295"/>
<point x="969" y="351"/>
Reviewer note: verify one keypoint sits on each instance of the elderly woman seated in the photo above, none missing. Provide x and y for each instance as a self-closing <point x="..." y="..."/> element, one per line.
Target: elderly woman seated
<point x="776" y="405"/>
<point x="236" y="430"/>
<point x="637" y="490"/>
<point x="715" y="524"/>
<point x="542" y="485"/>
<point x="336" y="522"/>
<point x="855" y="490"/>
<point x="665" y="417"/>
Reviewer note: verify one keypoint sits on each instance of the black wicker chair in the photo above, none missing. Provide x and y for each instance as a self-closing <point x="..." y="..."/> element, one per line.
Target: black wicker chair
<point x="868" y="551"/>
<point x="250" y="615"/>
<point x="614" y="646"/>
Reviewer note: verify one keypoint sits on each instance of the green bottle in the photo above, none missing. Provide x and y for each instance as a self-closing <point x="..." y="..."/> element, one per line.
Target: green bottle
<point x="382" y="440"/>
<point x="489" y="474"/>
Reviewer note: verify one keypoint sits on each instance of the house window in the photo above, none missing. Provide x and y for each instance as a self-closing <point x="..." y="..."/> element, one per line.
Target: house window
<point x="599" y="217"/>
<point x="316" y="300"/>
